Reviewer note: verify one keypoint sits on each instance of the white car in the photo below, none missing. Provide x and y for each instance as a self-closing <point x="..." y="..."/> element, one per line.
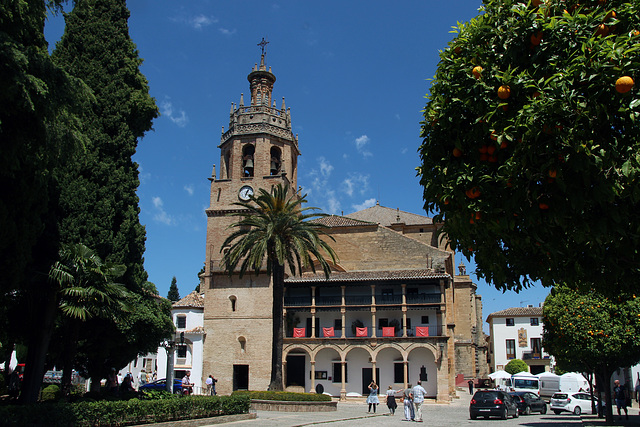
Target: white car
<point x="576" y="403"/>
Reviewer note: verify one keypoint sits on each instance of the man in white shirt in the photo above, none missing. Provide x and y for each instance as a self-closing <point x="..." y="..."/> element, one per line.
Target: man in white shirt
<point x="418" y="399"/>
<point x="187" y="386"/>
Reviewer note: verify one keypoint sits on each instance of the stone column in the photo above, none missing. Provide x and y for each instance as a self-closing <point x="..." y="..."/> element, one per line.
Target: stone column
<point x="313" y="313"/>
<point x="373" y="312"/>
<point x="373" y="371"/>
<point x="404" y="313"/>
<point x="343" y="310"/>
<point x="284" y="372"/>
<point x="343" y="369"/>
<point x="313" y="377"/>
<point x="406" y="373"/>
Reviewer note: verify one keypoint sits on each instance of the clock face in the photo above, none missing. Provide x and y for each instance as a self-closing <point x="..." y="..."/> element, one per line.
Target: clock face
<point x="245" y="193"/>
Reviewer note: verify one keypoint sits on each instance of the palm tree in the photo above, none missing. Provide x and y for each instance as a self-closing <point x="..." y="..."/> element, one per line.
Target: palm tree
<point x="275" y="226"/>
<point x="86" y="291"/>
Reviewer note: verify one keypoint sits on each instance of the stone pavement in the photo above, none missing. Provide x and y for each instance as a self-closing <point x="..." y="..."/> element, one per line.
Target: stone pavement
<point x="453" y="414"/>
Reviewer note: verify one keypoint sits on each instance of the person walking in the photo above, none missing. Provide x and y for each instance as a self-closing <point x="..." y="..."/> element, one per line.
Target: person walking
<point x="187" y="385"/>
<point x="142" y="378"/>
<point x="620" y="394"/>
<point x="470" y="382"/>
<point x="391" y="400"/>
<point x="418" y="400"/>
<point x="372" y="400"/>
<point x="407" y="398"/>
<point x="112" y="381"/>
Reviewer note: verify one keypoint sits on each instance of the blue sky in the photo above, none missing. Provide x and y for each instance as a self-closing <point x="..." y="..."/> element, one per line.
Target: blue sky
<point x="354" y="75"/>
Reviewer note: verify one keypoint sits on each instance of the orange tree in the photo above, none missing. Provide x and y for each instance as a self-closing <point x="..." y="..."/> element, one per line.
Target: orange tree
<point x="593" y="332"/>
<point x="531" y="140"/>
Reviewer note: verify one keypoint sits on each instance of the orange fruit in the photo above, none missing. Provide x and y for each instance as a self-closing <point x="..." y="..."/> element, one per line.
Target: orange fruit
<point x="536" y="3"/>
<point x="477" y="71"/>
<point x="552" y="173"/>
<point x="635" y="33"/>
<point x="503" y="144"/>
<point x="543" y="206"/>
<point x="493" y="158"/>
<point x="624" y="84"/>
<point x="446" y="201"/>
<point x="457" y="152"/>
<point x="536" y="38"/>
<point x="491" y="149"/>
<point x="602" y="30"/>
<point x="536" y="94"/>
<point x="504" y="92"/>
<point x="493" y="136"/>
<point x="483" y="149"/>
<point x="457" y="49"/>
<point x="610" y="15"/>
<point x="473" y="193"/>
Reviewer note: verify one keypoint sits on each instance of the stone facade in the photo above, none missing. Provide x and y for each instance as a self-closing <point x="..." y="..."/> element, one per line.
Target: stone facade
<point x="394" y="280"/>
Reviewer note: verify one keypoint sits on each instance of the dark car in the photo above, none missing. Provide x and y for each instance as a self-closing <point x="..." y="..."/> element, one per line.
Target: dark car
<point x="529" y="402"/>
<point x="161" y="385"/>
<point x="492" y="403"/>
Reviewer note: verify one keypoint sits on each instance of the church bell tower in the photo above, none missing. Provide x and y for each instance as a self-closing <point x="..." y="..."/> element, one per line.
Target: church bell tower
<point x="257" y="151"/>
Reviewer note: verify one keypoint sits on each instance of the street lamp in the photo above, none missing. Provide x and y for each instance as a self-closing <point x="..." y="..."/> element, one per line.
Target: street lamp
<point x="170" y="347"/>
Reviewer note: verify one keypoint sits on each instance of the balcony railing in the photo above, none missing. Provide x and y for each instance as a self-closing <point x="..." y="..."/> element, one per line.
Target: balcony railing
<point x="389" y="299"/>
<point x="423" y="298"/>
<point x="296" y="301"/>
<point x="434" y="331"/>
<point x="336" y="300"/>
<point x="357" y="299"/>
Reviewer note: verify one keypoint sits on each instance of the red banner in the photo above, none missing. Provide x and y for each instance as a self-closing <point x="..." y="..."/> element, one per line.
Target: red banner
<point x="298" y="333"/>
<point x="388" y="331"/>
<point x="422" y="331"/>
<point x="361" y="332"/>
<point x="327" y="332"/>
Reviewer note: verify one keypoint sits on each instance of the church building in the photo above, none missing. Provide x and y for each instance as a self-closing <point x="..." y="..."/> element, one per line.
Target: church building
<point x="393" y="310"/>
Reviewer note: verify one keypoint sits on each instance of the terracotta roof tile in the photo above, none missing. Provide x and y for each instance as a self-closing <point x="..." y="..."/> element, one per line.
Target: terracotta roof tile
<point x="387" y="216"/>
<point x="340" y="221"/>
<point x="517" y="311"/>
<point x="366" y="276"/>
<point x="194" y="299"/>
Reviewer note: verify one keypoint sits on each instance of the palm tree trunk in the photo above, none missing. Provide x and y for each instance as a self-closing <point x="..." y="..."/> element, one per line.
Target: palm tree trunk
<point x="277" y="275"/>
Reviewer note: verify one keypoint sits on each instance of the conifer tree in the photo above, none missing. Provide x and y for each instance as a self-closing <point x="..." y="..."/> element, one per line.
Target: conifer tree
<point x="99" y="205"/>
<point x="173" y="294"/>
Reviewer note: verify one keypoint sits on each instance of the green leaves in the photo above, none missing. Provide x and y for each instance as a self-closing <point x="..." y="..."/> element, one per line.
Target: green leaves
<point x="563" y="115"/>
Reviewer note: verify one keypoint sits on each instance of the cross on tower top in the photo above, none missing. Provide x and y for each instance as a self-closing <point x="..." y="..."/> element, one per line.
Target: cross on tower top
<point x="263" y="44"/>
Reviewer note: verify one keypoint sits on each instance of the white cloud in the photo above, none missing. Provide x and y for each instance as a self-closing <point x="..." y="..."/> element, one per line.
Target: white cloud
<point x="160" y="214"/>
<point x="404" y="150"/>
<point x="355" y="182"/>
<point x="361" y="145"/>
<point x="189" y="189"/>
<point x="197" y="21"/>
<point x="180" y="119"/>
<point x="364" y="205"/>
<point x="325" y="167"/>
<point x="226" y="31"/>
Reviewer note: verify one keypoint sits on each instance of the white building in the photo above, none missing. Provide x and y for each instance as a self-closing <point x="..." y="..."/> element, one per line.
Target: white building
<point x="516" y="333"/>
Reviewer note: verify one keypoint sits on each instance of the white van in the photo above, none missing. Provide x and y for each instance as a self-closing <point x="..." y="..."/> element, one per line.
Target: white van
<point x="525" y="381"/>
<point x="549" y="384"/>
<point x="573" y="382"/>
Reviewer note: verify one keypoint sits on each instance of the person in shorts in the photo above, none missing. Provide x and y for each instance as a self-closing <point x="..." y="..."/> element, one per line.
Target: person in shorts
<point x="620" y="394"/>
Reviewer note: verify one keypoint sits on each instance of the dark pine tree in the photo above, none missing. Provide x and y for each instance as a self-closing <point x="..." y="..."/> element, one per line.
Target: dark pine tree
<point x="173" y="294"/>
<point x="99" y="205"/>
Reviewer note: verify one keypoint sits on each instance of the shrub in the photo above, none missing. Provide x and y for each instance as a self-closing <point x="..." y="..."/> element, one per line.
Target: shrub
<point x="515" y="366"/>
<point x="283" y="395"/>
<point x="51" y="392"/>
<point x="120" y="412"/>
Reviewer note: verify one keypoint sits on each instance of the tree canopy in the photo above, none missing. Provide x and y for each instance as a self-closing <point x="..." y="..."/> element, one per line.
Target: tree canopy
<point x="532" y="139"/>
<point x="516" y="365"/>
<point x="592" y="332"/>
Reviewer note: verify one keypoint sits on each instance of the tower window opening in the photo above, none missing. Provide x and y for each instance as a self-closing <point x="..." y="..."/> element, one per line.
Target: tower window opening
<point x="232" y="298"/>
<point x="227" y="164"/>
<point x="275" y="161"/>
<point x="248" y="152"/>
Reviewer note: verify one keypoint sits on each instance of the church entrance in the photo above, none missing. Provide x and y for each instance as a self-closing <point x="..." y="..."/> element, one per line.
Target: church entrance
<point x="240" y="377"/>
<point x="295" y="371"/>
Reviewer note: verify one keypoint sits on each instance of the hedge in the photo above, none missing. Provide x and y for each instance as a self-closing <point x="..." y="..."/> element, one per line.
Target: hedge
<point x="122" y="413"/>
<point x="283" y="395"/>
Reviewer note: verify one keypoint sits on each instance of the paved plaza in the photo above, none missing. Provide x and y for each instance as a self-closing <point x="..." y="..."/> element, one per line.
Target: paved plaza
<point x="454" y="414"/>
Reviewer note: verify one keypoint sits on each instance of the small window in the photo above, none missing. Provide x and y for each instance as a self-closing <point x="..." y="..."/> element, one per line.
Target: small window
<point x="337" y="372"/>
<point x="425" y="320"/>
<point x="182" y="351"/>
<point x="511" y="349"/>
<point x="243" y="344"/>
<point x="383" y="323"/>
<point x="534" y="321"/>
<point x="232" y="298"/>
<point x="181" y="322"/>
<point x="510" y="321"/>
<point x="337" y="325"/>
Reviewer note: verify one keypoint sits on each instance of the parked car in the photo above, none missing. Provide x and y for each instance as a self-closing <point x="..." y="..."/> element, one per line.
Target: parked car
<point x="575" y="403"/>
<point x="161" y="385"/>
<point x="492" y="403"/>
<point x="529" y="402"/>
